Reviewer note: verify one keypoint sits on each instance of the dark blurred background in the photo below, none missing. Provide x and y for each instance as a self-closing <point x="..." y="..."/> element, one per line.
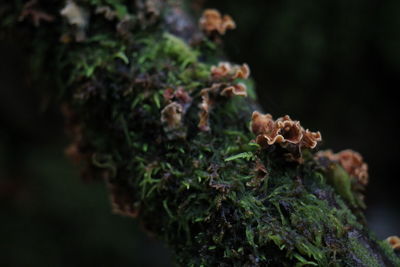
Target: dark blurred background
<point x="334" y="65"/>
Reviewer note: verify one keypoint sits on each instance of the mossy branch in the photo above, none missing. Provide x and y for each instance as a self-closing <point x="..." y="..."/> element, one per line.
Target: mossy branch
<point x="171" y="136"/>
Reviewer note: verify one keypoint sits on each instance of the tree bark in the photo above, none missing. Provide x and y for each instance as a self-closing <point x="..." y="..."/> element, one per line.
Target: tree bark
<point x="131" y="76"/>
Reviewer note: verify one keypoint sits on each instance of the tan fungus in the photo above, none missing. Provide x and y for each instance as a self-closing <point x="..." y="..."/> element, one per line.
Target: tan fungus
<point x="171" y="115"/>
<point x="283" y="130"/>
<point x="239" y="89"/>
<point x="311" y="139"/>
<point x="351" y="161"/>
<point x="212" y="21"/>
<point x="394" y="242"/>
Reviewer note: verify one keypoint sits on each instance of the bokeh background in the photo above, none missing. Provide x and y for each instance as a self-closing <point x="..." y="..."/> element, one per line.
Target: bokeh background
<point x="334" y="65"/>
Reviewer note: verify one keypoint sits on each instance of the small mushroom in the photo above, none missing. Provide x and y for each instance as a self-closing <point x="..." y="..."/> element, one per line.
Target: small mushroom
<point x="394" y="242"/>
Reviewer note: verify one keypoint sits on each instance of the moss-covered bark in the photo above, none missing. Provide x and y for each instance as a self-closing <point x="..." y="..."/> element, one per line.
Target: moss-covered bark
<point x="130" y="75"/>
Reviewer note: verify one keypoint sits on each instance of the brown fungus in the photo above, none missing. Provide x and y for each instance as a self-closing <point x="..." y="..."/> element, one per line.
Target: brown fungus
<point x="310" y="139"/>
<point x="205" y="107"/>
<point x="394" y="242"/>
<point x="290" y="130"/>
<point x="221" y="71"/>
<point x="171" y="118"/>
<point x="242" y="72"/>
<point x="239" y="89"/>
<point x="227" y="71"/>
<point x="211" y="21"/>
<point x="351" y="161"/>
<point x="284" y="131"/>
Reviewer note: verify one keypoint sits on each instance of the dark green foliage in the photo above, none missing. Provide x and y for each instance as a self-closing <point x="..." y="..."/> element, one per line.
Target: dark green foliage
<point x="215" y="197"/>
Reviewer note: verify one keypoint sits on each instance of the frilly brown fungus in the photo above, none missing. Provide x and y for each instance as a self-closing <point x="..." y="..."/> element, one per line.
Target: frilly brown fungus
<point x="311" y="139"/>
<point x="351" y="161"/>
<point x="284" y="130"/>
<point x="239" y="89"/>
<point x="266" y="129"/>
<point x="225" y="70"/>
<point x="242" y="72"/>
<point x="394" y="242"/>
<point x="222" y="70"/>
<point x="211" y="21"/>
<point x="290" y="130"/>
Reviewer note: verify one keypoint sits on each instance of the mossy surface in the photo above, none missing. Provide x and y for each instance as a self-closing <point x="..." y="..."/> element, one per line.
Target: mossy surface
<point x="204" y="194"/>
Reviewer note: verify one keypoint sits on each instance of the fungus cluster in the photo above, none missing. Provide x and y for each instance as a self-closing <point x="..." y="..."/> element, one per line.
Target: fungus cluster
<point x="213" y="22"/>
<point x="224" y="77"/>
<point x="282" y="131"/>
<point x="351" y="161"/>
<point x="178" y="101"/>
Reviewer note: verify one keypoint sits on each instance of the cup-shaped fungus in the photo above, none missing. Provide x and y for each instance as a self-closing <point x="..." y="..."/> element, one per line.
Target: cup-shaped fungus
<point x="289" y="129"/>
<point x="211" y="21"/>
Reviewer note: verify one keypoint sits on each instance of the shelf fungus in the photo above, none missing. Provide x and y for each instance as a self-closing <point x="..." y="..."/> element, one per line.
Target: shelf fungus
<point x="394" y="242"/>
<point x="351" y="161"/>
<point x="213" y="22"/>
<point x="282" y="131"/>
